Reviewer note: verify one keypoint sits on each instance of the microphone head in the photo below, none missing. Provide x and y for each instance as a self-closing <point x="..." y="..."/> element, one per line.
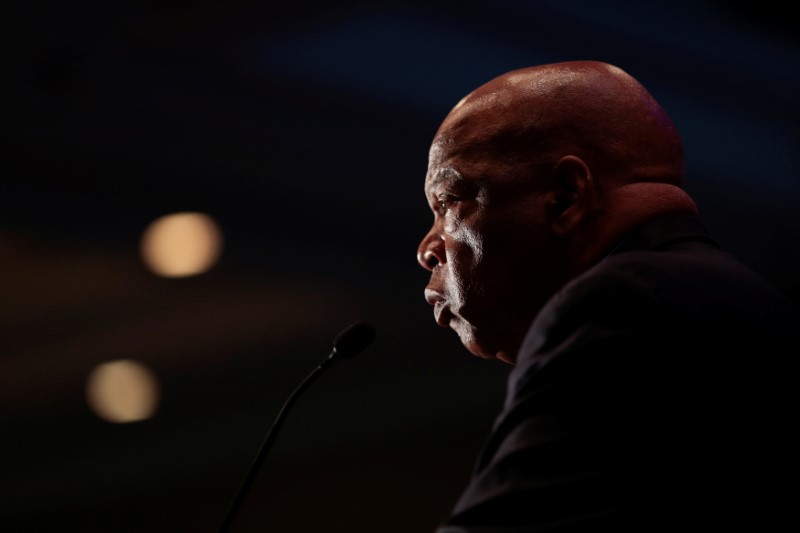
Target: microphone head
<point x="353" y="339"/>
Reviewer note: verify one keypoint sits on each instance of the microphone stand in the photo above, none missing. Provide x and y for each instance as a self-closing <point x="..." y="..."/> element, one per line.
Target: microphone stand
<point x="270" y="439"/>
<point x="346" y="345"/>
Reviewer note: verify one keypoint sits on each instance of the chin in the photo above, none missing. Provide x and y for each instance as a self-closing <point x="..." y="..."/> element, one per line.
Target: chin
<point x="504" y="357"/>
<point x="484" y="353"/>
<point x="481" y="347"/>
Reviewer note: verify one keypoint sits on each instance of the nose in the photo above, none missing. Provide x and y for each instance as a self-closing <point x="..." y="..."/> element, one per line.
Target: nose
<point x="431" y="250"/>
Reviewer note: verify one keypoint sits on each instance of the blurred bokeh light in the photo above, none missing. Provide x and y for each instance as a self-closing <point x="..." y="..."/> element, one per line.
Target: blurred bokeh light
<point x="122" y="391"/>
<point x="181" y="244"/>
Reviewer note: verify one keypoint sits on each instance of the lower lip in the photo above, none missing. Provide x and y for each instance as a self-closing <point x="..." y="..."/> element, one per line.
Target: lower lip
<point x="442" y="314"/>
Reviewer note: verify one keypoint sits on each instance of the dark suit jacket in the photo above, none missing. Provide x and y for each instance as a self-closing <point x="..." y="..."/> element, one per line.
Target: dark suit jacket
<point x="650" y="394"/>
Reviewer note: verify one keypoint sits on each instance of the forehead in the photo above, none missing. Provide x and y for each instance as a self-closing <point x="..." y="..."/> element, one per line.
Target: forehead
<point x="473" y="159"/>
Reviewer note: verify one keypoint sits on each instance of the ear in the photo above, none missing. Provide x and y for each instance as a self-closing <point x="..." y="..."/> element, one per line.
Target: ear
<point x="572" y="193"/>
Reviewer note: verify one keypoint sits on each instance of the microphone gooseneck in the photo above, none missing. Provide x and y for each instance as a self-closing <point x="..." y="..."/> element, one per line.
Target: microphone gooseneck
<point x="349" y="343"/>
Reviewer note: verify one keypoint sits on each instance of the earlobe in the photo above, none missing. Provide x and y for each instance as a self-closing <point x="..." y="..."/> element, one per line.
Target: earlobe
<point x="571" y="190"/>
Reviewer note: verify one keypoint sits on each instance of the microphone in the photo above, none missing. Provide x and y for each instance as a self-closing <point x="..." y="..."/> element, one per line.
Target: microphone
<point x="348" y="343"/>
<point x="353" y="340"/>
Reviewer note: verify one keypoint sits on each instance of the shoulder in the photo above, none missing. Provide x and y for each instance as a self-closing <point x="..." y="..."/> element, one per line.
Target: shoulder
<point x="695" y="289"/>
<point x="616" y="292"/>
<point x="684" y="302"/>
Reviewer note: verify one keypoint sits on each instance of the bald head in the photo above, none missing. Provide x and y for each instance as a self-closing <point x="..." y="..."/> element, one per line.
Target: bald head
<point x="589" y="109"/>
<point x="532" y="178"/>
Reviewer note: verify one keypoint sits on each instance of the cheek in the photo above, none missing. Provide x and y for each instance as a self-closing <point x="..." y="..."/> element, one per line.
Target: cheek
<point x="464" y="250"/>
<point x="466" y="243"/>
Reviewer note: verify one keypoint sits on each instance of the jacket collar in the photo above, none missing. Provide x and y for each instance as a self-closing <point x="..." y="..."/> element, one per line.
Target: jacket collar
<point x="663" y="232"/>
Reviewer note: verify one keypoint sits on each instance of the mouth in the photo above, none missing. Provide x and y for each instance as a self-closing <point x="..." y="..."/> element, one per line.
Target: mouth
<point x="441" y="310"/>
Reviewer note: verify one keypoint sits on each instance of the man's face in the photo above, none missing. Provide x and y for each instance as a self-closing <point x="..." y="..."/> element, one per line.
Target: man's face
<point x="492" y="257"/>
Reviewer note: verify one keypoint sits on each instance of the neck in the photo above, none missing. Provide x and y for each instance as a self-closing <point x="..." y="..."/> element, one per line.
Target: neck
<point x="624" y="209"/>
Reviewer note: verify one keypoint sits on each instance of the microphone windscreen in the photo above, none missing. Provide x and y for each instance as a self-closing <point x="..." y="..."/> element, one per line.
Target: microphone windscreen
<point x="352" y="340"/>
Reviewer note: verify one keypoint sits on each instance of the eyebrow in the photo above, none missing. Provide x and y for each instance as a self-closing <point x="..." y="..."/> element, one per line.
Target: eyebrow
<point x="443" y="175"/>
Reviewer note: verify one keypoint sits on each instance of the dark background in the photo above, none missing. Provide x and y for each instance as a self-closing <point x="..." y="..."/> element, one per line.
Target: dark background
<point x="303" y="128"/>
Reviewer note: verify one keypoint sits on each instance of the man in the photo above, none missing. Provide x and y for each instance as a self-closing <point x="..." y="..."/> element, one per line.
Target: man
<point x="647" y="391"/>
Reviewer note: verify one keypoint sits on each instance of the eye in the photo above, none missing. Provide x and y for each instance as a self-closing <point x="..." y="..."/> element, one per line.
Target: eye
<point x="444" y="202"/>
